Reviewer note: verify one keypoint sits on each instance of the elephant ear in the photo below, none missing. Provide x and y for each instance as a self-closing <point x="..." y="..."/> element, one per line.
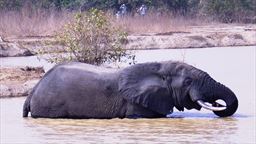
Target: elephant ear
<point x="142" y="84"/>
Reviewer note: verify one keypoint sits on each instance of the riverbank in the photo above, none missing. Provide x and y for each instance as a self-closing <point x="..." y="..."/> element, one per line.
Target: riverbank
<point x="16" y="81"/>
<point x="220" y="35"/>
<point x="197" y="37"/>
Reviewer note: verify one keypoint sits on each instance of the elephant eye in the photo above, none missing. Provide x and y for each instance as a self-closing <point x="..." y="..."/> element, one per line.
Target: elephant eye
<point x="187" y="81"/>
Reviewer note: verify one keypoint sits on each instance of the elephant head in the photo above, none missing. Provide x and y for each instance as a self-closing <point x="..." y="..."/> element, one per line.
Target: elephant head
<point x="162" y="86"/>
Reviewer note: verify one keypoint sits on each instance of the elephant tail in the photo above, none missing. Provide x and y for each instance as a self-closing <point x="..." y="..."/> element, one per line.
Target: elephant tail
<point x="26" y="106"/>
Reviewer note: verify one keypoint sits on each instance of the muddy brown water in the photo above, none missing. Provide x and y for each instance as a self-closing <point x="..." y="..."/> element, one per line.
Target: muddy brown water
<point x="234" y="67"/>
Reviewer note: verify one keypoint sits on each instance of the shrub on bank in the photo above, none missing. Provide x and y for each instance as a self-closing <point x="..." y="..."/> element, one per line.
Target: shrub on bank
<point x="92" y="39"/>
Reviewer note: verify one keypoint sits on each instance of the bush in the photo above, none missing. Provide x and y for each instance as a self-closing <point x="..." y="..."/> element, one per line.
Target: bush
<point x="229" y="10"/>
<point x="92" y="39"/>
<point x="10" y="4"/>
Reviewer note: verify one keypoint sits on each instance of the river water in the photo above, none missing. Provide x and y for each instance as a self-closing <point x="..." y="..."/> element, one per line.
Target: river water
<point x="234" y="67"/>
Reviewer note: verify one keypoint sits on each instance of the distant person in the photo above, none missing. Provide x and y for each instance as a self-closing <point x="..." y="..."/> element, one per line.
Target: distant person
<point x="118" y="15"/>
<point x="123" y="9"/>
<point x="142" y="10"/>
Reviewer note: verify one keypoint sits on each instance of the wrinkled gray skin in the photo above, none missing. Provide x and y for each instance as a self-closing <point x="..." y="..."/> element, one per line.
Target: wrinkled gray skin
<point x="148" y="90"/>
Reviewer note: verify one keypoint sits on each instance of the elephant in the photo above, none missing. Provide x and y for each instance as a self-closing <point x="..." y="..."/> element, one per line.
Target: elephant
<point x="146" y="90"/>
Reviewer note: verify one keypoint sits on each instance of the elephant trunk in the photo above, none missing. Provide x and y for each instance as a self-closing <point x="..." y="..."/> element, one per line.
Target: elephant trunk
<point x="225" y="94"/>
<point x="216" y="91"/>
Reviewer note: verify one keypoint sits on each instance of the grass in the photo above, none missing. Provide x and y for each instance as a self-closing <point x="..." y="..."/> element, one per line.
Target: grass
<point x="153" y="23"/>
<point x="41" y="23"/>
<point x="30" y="23"/>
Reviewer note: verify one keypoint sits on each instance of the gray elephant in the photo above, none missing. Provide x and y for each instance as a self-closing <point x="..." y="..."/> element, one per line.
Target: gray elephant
<point x="147" y="90"/>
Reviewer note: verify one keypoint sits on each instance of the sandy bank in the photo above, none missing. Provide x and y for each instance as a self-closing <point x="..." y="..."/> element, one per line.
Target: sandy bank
<point x="220" y="35"/>
<point x="18" y="81"/>
<point x="197" y="37"/>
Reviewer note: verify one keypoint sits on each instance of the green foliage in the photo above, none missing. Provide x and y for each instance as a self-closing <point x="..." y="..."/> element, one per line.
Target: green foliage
<point x="10" y="4"/>
<point x="92" y="39"/>
<point x="230" y="10"/>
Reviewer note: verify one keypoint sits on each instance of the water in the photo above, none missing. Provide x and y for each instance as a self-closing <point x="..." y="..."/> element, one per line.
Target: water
<point x="234" y="67"/>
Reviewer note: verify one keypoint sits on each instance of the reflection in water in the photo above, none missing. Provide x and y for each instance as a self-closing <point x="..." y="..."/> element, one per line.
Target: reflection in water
<point x="139" y="130"/>
<point x="183" y="127"/>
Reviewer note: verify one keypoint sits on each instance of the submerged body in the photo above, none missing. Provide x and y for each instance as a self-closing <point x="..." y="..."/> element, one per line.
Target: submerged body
<point x="76" y="90"/>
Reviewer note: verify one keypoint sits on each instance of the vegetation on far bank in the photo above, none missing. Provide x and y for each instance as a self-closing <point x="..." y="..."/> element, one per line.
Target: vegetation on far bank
<point x="45" y="17"/>
<point x="222" y="10"/>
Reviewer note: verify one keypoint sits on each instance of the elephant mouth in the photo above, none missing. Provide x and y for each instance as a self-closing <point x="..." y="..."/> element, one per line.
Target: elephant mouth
<point x="215" y="106"/>
<point x="212" y="104"/>
<point x="190" y="104"/>
<point x="198" y="104"/>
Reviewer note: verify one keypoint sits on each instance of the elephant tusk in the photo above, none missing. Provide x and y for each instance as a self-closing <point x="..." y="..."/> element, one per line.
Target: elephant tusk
<point x="209" y="107"/>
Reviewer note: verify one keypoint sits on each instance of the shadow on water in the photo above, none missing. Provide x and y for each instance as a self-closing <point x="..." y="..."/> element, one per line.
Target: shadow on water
<point x="203" y="115"/>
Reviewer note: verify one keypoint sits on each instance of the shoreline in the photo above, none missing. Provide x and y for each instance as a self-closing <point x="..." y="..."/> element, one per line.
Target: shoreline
<point x="221" y="35"/>
<point x="18" y="81"/>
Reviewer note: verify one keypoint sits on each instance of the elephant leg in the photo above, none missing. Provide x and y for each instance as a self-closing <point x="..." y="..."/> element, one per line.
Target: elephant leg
<point x="137" y="111"/>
